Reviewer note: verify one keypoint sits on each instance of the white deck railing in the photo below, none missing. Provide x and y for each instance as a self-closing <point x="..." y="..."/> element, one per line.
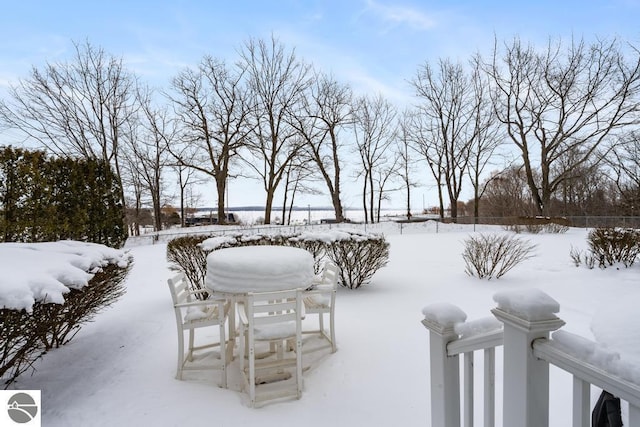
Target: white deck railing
<point x="528" y="350"/>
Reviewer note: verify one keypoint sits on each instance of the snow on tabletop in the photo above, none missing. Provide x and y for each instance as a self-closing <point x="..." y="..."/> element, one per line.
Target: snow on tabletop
<point x="259" y="268"/>
<point x="444" y="313"/>
<point x="530" y="304"/>
<point x="46" y="271"/>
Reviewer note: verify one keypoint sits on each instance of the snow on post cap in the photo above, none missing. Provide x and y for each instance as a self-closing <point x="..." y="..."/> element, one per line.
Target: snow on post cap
<point x="530" y="304"/>
<point x="444" y="314"/>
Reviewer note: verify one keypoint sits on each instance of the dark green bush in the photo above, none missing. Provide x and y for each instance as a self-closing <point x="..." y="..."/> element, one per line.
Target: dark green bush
<point x="47" y="199"/>
<point x="28" y="336"/>
<point x="612" y="246"/>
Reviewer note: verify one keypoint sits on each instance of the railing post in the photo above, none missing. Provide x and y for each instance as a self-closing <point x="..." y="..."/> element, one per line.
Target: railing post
<point x="440" y="319"/>
<point x="527" y="315"/>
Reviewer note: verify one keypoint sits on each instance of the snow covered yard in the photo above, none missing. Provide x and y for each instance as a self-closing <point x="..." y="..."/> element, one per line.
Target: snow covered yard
<point x="119" y="370"/>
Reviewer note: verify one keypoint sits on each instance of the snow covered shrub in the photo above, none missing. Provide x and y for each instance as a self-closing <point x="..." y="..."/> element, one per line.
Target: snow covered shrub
<point x="492" y="255"/>
<point x="80" y="306"/>
<point x="358" y="256"/>
<point x="27" y="336"/>
<point x="184" y="254"/>
<point x="611" y="246"/>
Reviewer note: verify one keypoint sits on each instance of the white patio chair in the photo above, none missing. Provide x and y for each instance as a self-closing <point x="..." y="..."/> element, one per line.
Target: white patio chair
<point x="192" y="314"/>
<point x="320" y="299"/>
<point x="271" y="318"/>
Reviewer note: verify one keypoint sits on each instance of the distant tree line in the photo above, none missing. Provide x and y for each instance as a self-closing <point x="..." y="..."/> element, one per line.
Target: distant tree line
<point x="45" y="198"/>
<point x="530" y="130"/>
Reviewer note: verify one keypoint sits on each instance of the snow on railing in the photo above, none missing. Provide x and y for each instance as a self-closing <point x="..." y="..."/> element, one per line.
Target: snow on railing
<point x="522" y="324"/>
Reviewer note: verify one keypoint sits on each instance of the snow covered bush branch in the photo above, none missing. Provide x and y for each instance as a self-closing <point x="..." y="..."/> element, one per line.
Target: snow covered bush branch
<point x="59" y="287"/>
<point x="492" y="255"/>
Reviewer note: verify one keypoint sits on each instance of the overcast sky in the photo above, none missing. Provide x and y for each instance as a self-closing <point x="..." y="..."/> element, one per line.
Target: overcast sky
<point x="375" y="45"/>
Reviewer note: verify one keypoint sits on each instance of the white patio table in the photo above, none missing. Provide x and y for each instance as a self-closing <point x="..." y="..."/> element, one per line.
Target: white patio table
<point x="258" y="269"/>
<point x="237" y="271"/>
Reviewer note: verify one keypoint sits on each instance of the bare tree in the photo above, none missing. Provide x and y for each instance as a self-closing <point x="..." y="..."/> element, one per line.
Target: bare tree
<point x="325" y="112"/>
<point x="507" y="194"/>
<point x="625" y="165"/>
<point x="78" y="108"/>
<point x="420" y="135"/>
<point x="374" y="126"/>
<point x="449" y="107"/>
<point x="382" y="177"/>
<point x="211" y="104"/>
<point x="488" y="133"/>
<point x="405" y="164"/>
<point x="147" y="153"/>
<point x="296" y="180"/>
<point x="188" y="178"/>
<point x="564" y="97"/>
<point x="277" y="80"/>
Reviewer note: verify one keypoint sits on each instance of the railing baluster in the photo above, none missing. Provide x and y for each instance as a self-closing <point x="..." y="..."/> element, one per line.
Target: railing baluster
<point x="581" y="402"/>
<point x="634" y="415"/>
<point x="468" y="389"/>
<point x="489" y="387"/>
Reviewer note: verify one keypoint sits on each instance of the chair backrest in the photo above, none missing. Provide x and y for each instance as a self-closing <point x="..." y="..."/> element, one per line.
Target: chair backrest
<point x="330" y="275"/>
<point x="271" y="308"/>
<point x="179" y="287"/>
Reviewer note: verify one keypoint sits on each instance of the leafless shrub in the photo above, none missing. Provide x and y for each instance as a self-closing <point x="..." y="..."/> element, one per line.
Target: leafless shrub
<point x="611" y="246"/>
<point x="358" y="259"/>
<point x="556" y="228"/>
<point x="535" y="228"/>
<point x="28" y="336"/>
<point x="579" y="257"/>
<point x="515" y="228"/>
<point x="490" y="255"/>
<point x="185" y="255"/>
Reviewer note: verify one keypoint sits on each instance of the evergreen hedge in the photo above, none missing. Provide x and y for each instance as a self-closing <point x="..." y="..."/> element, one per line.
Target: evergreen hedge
<point x="47" y="199"/>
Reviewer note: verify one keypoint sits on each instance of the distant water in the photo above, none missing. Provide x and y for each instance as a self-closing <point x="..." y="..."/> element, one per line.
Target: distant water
<point x="303" y="216"/>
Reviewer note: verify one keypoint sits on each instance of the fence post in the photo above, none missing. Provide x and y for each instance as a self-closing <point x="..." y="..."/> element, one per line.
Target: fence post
<point x="527" y="315"/>
<point x="440" y="319"/>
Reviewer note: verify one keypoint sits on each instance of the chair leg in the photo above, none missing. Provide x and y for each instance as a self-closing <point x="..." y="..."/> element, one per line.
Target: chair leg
<point x="252" y="374"/>
<point x="243" y="348"/>
<point x="299" y="366"/>
<point x="223" y="355"/>
<point x="191" y="340"/>
<point x="321" y="320"/>
<point x="180" y="354"/>
<point x="332" y="332"/>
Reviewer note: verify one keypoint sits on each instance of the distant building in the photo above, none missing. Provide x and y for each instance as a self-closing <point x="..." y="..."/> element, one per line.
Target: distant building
<point x="208" y="219"/>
